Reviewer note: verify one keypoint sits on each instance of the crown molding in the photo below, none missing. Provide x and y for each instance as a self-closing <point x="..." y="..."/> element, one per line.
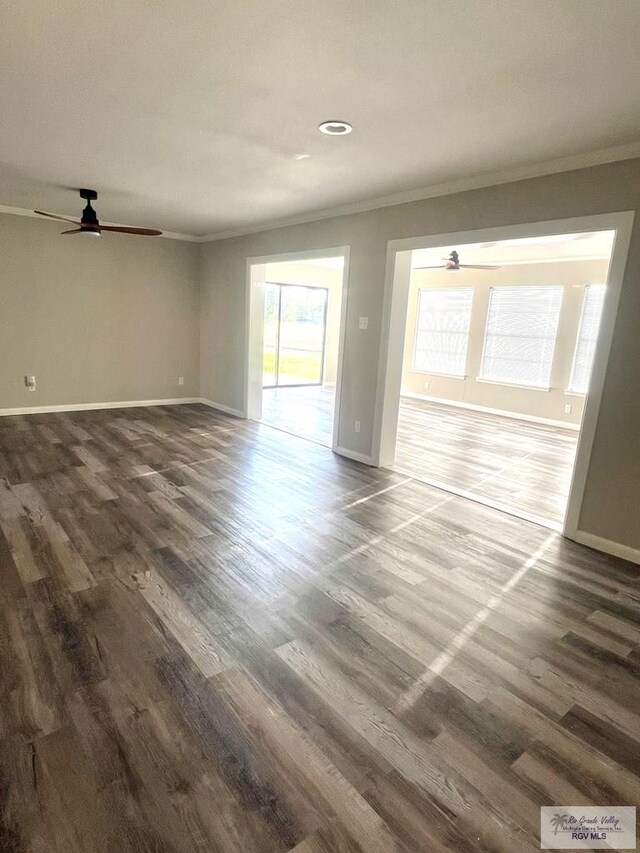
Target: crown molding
<point x="168" y="235"/>
<point x="564" y="164"/>
<point x="521" y="173"/>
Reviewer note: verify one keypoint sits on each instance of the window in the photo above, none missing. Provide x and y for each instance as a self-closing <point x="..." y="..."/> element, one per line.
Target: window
<point x="587" y="338"/>
<point x="442" y="330"/>
<point x="521" y="335"/>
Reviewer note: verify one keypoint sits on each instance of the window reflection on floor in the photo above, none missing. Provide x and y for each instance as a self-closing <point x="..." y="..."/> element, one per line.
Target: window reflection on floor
<point x="306" y="411"/>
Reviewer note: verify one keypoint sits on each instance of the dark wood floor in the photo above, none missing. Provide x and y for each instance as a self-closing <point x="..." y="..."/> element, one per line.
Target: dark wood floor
<point x="306" y="411"/>
<point x="523" y="466"/>
<point x="217" y="637"/>
<point x="517" y="465"/>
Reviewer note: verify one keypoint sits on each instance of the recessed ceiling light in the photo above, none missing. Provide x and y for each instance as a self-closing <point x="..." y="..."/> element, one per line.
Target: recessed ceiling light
<point x="335" y="128"/>
<point x="301" y="156"/>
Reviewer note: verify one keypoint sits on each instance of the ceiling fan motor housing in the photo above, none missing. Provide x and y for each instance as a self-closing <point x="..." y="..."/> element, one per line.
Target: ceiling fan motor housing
<point x="89" y="216"/>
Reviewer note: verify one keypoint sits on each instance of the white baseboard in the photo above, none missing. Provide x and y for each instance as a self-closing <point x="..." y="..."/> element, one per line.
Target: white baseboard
<point x="616" y="549"/>
<point x="505" y="413"/>
<point x="357" y="457"/>
<point x="228" y="410"/>
<point x="87" y="407"/>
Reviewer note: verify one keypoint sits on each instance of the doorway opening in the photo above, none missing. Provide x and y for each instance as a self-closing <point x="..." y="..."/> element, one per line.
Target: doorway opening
<point x="497" y="350"/>
<point x="296" y="307"/>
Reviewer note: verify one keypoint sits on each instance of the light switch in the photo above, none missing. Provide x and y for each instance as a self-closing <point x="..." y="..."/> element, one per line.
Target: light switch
<point x="363" y="323"/>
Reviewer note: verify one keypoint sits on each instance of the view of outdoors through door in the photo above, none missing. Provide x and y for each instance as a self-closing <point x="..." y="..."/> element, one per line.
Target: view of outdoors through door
<point x="302" y="304"/>
<point x="295" y="320"/>
<point x="498" y="355"/>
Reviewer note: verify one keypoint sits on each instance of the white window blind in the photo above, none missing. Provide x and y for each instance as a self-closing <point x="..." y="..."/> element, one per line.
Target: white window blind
<point x="442" y="330"/>
<point x="587" y="338"/>
<point x="521" y="333"/>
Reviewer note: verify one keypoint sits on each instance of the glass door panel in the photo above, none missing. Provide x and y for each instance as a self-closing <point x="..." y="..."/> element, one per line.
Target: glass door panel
<point x="300" y="367"/>
<point x="294" y="334"/>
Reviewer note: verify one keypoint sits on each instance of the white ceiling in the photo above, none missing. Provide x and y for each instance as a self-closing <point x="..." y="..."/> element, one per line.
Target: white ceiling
<point x="327" y="263"/>
<point x="591" y="245"/>
<point x="187" y="116"/>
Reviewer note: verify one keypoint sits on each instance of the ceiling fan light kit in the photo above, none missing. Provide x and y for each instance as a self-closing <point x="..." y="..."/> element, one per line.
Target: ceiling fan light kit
<point x="89" y="223"/>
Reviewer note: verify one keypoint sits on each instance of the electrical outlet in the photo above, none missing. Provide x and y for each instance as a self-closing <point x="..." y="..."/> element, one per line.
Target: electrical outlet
<point x="356" y="426"/>
<point x="427" y="385"/>
<point x="567" y="408"/>
<point x="180" y="380"/>
<point x="30" y="382"/>
<point x="363" y="323"/>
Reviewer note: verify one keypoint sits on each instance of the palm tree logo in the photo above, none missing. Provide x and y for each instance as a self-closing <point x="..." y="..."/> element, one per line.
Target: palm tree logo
<point x="557" y="821"/>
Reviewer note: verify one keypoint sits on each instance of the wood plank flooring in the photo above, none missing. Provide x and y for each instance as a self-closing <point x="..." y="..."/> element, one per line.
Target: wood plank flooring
<point x="520" y="465"/>
<point x="217" y="637"/>
<point x="304" y="411"/>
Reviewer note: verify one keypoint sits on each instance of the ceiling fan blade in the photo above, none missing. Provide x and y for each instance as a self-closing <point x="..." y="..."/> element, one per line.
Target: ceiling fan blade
<point x="55" y="216"/>
<point x="73" y="231"/>
<point x="479" y="267"/>
<point x="145" y="232"/>
<point x="435" y="267"/>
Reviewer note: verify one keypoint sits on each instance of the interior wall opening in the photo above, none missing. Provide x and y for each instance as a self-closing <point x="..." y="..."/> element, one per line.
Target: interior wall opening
<point x="500" y="338"/>
<point x="300" y="333"/>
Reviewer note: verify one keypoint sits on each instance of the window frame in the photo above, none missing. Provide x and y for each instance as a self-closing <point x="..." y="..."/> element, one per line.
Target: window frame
<point x="569" y="390"/>
<point x="510" y="383"/>
<point x="414" y="368"/>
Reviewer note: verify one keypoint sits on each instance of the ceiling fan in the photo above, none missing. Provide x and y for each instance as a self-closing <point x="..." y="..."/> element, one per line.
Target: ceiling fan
<point x="89" y="223"/>
<point x="453" y="263"/>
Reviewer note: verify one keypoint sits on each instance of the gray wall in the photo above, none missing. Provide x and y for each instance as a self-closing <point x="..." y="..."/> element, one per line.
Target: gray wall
<point x="612" y="498"/>
<point x="96" y="320"/>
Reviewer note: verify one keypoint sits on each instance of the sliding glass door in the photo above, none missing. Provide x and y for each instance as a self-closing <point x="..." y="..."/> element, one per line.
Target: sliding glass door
<point x="295" y="322"/>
